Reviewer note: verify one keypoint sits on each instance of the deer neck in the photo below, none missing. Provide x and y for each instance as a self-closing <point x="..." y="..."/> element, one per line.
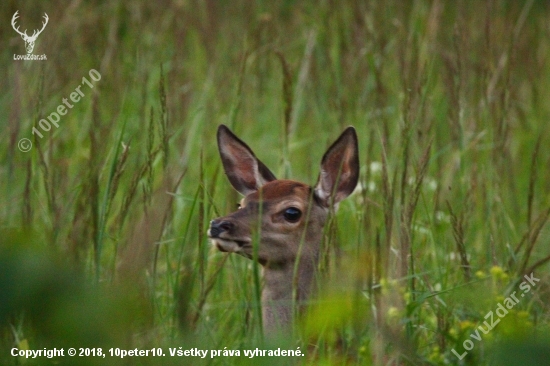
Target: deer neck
<point x="285" y="284"/>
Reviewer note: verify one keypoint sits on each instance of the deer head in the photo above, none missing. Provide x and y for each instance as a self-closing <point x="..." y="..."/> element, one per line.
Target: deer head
<point x="287" y="216"/>
<point x="29" y="40"/>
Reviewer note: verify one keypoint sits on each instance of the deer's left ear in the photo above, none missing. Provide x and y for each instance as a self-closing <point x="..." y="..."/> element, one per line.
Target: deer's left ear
<point x="339" y="169"/>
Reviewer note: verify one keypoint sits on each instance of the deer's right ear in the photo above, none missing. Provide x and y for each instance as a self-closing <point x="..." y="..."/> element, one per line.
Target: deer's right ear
<point x="245" y="172"/>
<point x="339" y="169"/>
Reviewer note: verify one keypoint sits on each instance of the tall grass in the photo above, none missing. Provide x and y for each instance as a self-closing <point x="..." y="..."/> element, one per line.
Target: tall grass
<point x="103" y="222"/>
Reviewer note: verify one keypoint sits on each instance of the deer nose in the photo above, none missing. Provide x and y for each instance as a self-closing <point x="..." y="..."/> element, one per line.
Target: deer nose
<point x="219" y="226"/>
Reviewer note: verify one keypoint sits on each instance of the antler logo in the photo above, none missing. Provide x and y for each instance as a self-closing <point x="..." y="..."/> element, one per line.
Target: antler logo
<point x="29" y="40"/>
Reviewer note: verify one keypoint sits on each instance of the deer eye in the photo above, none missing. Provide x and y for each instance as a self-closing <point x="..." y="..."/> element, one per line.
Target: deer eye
<point x="292" y="214"/>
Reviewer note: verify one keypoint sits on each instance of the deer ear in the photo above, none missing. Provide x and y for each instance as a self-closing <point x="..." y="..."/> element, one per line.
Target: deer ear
<point x="245" y="172"/>
<point x="339" y="169"/>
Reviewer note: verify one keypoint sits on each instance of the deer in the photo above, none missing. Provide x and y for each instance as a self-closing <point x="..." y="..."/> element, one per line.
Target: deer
<point x="290" y="216"/>
<point x="29" y="40"/>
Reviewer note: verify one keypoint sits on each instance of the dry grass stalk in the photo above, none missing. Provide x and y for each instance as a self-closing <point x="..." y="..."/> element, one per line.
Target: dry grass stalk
<point x="163" y="123"/>
<point x="457" y="221"/>
<point x="532" y="180"/>
<point x="531" y="238"/>
<point x="389" y="197"/>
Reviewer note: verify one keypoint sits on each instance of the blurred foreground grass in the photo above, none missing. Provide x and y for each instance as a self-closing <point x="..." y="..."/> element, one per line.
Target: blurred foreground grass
<point x="103" y="222"/>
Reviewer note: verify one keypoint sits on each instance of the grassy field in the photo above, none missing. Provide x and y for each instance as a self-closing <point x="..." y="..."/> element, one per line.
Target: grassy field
<point x="103" y="222"/>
